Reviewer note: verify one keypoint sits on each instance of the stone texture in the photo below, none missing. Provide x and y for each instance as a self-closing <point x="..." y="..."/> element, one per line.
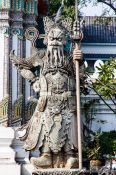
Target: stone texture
<point x="58" y="172"/>
<point x="27" y="169"/>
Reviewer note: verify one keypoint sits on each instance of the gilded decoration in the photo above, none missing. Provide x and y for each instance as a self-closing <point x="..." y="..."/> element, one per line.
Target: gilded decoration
<point x="4" y="108"/>
<point x="17" y="108"/>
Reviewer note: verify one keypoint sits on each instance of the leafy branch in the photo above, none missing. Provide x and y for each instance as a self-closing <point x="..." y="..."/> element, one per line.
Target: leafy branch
<point x="105" y="84"/>
<point x="109" y="3"/>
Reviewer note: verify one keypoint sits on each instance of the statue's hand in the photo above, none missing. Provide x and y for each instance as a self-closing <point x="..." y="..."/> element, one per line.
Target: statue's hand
<point x="21" y="63"/>
<point x="77" y="55"/>
<point x="36" y="86"/>
<point x="32" y="99"/>
<point x="28" y="75"/>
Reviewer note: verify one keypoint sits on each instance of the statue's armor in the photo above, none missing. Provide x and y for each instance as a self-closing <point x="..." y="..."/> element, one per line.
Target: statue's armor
<point x="54" y="124"/>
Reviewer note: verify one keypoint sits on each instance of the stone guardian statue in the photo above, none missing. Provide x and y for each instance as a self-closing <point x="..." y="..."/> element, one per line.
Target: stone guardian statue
<point x="52" y="129"/>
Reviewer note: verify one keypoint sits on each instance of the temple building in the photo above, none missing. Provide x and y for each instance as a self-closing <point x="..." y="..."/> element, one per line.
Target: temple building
<point x="99" y="43"/>
<point x="15" y="17"/>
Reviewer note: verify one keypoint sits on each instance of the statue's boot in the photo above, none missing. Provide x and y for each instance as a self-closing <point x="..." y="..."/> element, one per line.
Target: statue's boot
<point x="72" y="162"/>
<point x="45" y="161"/>
<point x="58" y="161"/>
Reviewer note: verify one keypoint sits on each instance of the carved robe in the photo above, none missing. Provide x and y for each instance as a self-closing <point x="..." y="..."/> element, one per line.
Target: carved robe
<point x="54" y="119"/>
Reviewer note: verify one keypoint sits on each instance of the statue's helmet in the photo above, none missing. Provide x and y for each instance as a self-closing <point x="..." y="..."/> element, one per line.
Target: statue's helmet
<point x="58" y="34"/>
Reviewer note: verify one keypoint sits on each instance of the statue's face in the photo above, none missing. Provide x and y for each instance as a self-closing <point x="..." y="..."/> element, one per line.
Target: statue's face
<point x="56" y="37"/>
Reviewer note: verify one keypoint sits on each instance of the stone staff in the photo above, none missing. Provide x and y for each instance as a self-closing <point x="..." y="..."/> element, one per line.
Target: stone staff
<point x="77" y="57"/>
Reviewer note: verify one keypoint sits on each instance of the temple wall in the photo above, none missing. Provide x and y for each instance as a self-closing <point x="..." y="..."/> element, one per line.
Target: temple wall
<point x="15" y="18"/>
<point x="101" y="116"/>
<point x="1" y="65"/>
<point x="109" y="122"/>
<point x="105" y="119"/>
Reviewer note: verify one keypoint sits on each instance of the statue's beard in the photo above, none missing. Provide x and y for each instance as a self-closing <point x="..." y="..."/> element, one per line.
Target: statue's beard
<point x="55" y="55"/>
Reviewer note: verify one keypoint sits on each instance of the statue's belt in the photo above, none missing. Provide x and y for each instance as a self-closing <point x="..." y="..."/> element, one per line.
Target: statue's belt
<point x="65" y="94"/>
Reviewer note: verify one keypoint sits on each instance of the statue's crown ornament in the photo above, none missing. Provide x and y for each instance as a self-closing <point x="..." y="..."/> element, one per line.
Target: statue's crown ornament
<point x="65" y="24"/>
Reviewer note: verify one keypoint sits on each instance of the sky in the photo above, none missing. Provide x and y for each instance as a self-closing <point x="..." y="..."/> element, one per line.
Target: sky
<point x="91" y="10"/>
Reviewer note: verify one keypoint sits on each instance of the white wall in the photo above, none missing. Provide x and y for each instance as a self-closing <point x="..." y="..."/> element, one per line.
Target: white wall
<point x="108" y="125"/>
<point x="1" y="64"/>
<point x="99" y="48"/>
<point x="105" y="119"/>
<point x="14" y="70"/>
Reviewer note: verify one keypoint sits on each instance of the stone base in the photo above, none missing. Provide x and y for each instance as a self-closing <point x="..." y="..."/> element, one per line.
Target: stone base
<point x="27" y="169"/>
<point x="58" y="172"/>
<point x="10" y="169"/>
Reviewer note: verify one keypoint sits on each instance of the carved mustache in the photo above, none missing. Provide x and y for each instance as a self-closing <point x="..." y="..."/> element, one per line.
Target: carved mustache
<point x="55" y="43"/>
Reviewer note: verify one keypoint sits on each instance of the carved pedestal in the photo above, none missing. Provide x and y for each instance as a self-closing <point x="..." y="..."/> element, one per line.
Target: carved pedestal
<point x="58" y="172"/>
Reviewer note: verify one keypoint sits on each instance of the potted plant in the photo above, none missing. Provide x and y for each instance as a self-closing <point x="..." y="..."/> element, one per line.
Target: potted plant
<point x="95" y="158"/>
<point x="93" y="150"/>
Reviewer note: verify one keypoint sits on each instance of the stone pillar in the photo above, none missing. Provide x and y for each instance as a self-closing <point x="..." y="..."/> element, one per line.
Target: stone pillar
<point x="6" y="67"/>
<point x="7" y="75"/>
<point x="23" y="85"/>
<point x="10" y="87"/>
<point x="20" y="54"/>
<point x="21" y="81"/>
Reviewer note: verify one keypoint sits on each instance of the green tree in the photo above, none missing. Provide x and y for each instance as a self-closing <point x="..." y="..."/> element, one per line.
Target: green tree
<point x="110" y="3"/>
<point x="69" y="9"/>
<point x="105" y="84"/>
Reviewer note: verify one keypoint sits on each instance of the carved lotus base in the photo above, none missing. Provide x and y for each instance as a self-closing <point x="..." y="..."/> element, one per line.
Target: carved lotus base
<point x="58" y="171"/>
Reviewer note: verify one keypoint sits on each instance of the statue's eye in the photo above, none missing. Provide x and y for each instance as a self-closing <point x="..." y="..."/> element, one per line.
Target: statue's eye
<point x="59" y="39"/>
<point x="51" y="38"/>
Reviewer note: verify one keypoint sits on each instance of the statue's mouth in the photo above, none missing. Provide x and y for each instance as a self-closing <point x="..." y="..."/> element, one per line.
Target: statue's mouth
<point x="55" y="45"/>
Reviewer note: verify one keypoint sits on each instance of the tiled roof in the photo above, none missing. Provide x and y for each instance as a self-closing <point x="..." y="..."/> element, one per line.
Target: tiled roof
<point x="99" y="29"/>
<point x="99" y="56"/>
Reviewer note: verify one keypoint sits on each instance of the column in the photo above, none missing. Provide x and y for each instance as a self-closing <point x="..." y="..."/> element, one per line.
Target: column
<point x="19" y="77"/>
<point x="10" y="87"/>
<point x="6" y="67"/>
<point x="1" y="65"/>
<point x="21" y="81"/>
